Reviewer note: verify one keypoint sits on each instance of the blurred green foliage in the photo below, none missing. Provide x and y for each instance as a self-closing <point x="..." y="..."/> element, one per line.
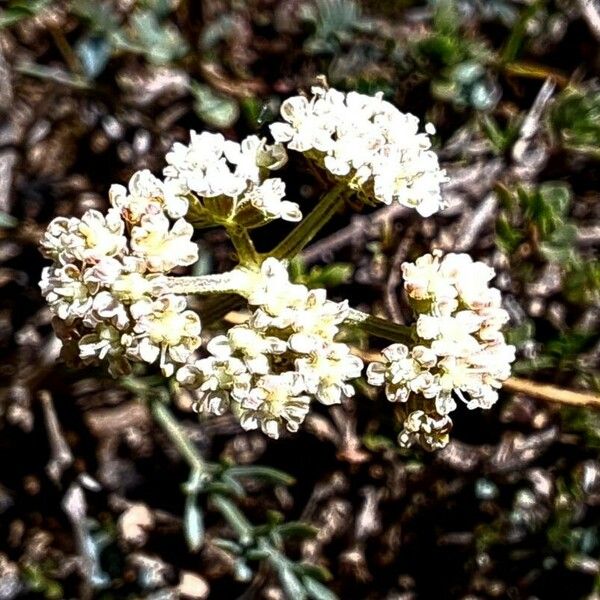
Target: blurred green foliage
<point x="575" y="120"/>
<point x="456" y="62"/>
<point x="333" y="24"/>
<point x="534" y="228"/>
<point x="21" y="9"/>
<point x="145" y="31"/>
<point x="327" y="276"/>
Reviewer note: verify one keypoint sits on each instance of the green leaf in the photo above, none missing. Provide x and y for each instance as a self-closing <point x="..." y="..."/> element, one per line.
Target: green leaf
<point x="557" y="196"/>
<point x="21" y="9"/>
<point x="546" y="206"/>
<point x="291" y="585"/>
<point x="93" y="53"/>
<point x="560" y="246"/>
<point x="297" y="529"/>
<point x="159" y="42"/>
<point x="490" y="128"/>
<point x="228" y="546"/>
<point x="241" y="571"/>
<point x="7" y="221"/>
<point x="256" y="554"/>
<point x="376" y="443"/>
<point x="193" y="524"/>
<point x="582" y="282"/>
<point x="318" y="572"/>
<point x="269" y="474"/>
<point x="575" y="120"/>
<point x="509" y="238"/>
<point x="521" y="334"/>
<point x="235" y="518"/>
<point x="100" y="17"/>
<point x="215" y="109"/>
<point x="531" y="365"/>
<point x="328" y="276"/>
<point x="233" y="486"/>
<point x="316" y="590"/>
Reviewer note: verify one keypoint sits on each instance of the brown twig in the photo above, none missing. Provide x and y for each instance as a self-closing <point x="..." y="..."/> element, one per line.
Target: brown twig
<point x="551" y="393"/>
<point x="390" y="294"/>
<point x="61" y="456"/>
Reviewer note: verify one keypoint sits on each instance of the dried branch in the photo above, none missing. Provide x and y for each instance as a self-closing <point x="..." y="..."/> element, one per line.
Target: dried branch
<point x="551" y="393"/>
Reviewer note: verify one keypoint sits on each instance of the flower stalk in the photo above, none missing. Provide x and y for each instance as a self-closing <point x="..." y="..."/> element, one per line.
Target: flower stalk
<point x="232" y="282"/>
<point x="381" y="328"/>
<point x="244" y="246"/>
<point x="306" y="230"/>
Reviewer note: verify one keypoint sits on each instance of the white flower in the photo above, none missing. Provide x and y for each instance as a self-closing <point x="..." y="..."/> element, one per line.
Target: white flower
<point x="89" y="239"/>
<point x="53" y="245"/>
<point x="450" y="335"/>
<point x="200" y="166"/>
<point x="367" y="141"/>
<point x="404" y="372"/>
<point x="146" y="194"/>
<point x="275" y="402"/>
<point x="461" y="351"/>
<point x="218" y="380"/>
<point x="307" y="124"/>
<point x="107" y="309"/>
<point x="327" y="371"/>
<point x="268" y="370"/>
<point x="133" y="282"/>
<point x="163" y="247"/>
<point x="106" y="343"/>
<point x="268" y="199"/>
<point x="425" y="282"/>
<point x="274" y="293"/>
<point x="439" y="284"/>
<point x="107" y="286"/>
<point x="428" y="431"/>
<point x="212" y="167"/>
<point x="251" y="155"/>
<point x="164" y="330"/>
<point x="255" y="348"/>
<point x="65" y="292"/>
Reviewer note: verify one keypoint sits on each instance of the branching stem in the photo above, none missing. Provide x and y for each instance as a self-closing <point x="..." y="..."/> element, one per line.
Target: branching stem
<point x="380" y="327"/>
<point x="306" y="230"/>
<point x="231" y="282"/>
<point x="243" y="245"/>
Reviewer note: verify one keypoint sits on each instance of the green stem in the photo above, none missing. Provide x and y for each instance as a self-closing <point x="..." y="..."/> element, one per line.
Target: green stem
<point x="244" y="246"/>
<point x="229" y="511"/>
<point x="380" y="327"/>
<point x="231" y="282"/>
<point x="232" y="514"/>
<point x="312" y="224"/>
<point x="169" y="424"/>
<point x="517" y="35"/>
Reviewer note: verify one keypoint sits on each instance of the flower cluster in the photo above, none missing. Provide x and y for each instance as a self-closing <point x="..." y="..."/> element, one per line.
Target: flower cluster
<point x="230" y="180"/>
<point x="268" y="370"/>
<point x="106" y="284"/>
<point x="368" y="142"/>
<point x="112" y="300"/>
<point x="460" y="350"/>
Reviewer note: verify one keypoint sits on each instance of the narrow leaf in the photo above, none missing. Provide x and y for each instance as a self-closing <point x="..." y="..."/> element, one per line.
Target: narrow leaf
<point x="193" y="524"/>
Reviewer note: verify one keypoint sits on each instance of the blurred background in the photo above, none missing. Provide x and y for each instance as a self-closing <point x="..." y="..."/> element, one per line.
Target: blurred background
<point x="90" y="490"/>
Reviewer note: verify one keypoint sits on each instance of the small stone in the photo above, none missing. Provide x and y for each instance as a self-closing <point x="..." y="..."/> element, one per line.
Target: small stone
<point x="135" y="523"/>
<point x="192" y="586"/>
